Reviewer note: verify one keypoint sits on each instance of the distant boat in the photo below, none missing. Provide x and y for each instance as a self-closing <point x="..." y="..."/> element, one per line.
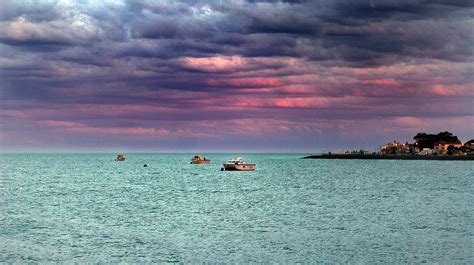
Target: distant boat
<point x="120" y="158"/>
<point x="200" y="160"/>
<point x="239" y="165"/>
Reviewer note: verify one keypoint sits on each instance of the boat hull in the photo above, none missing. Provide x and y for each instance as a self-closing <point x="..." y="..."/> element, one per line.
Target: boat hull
<point x="240" y="167"/>
<point x="200" y="161"/>
<point x="120" y="158"/>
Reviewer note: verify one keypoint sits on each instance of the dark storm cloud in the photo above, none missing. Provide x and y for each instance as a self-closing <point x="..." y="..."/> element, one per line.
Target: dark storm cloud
<point x="351" y="31"/>
<point x="171" y="27"/>
<point x="355" y="12"/>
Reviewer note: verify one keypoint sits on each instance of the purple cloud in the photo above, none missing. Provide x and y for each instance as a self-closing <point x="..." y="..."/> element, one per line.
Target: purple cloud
<point x="291" y="75"/>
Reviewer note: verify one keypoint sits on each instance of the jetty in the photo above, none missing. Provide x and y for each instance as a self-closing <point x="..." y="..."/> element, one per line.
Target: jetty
<point x="390" y="157"/>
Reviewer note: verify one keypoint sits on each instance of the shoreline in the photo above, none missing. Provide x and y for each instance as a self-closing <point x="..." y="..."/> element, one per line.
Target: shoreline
<point x="389" y="157"/>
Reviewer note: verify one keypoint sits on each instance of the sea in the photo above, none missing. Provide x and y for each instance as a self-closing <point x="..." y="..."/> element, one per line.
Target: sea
<point x="88" y="208"/>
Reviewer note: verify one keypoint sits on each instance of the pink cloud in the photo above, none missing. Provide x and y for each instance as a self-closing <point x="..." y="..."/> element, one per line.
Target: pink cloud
<point x="246" y="82"/>
<point x="385" y="92"/>
<point x="442" y="91"/>
<point x="248" y="102"/>
<point x="130" y="131"/>
<point x="262" y="102"/>
<point x="214" y="64"/>
<point x="61" y="124"/>
<point x="301" y="102"/>
<point x="257" y="127"/>
<point x="297" y="89"/>
<point x="408" y="121"/>
<point x="75" y="127"/>
<point x="381" y="82"/>
<point x="121" y="109"/>
<point x="19" y="114"/>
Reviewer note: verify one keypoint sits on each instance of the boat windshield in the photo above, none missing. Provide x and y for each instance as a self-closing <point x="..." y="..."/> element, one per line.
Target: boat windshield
<point x="233" y="161"/>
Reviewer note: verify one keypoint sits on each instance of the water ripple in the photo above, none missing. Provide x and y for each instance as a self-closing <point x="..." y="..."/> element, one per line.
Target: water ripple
<point x="87" y="208"/>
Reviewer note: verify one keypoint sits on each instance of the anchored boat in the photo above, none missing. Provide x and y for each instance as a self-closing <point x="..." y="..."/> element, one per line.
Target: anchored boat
<point x="200" y="160"/>
<point x="120" y="158"/>
<point x="239" y="165"/>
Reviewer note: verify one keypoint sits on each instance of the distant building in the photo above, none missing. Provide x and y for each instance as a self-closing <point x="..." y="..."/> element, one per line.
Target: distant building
<point x="469" y="147"/>
<point x="469" y="144"/>
<point x="395" y="147"/>
<point x="443" y="143"/>
<point x="426" y="151"/>
<point x="442" y="147"/>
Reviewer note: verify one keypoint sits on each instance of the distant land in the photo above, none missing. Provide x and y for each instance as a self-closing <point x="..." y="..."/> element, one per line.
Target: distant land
<point x="388" y="157"/>
<point x="441" y="146"/>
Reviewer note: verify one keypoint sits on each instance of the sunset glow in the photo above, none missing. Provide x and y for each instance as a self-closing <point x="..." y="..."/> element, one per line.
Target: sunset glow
<point x="271" y="76"/>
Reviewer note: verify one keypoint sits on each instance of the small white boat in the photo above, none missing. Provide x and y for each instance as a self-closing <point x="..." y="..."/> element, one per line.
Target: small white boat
<point x="239" y="165"/>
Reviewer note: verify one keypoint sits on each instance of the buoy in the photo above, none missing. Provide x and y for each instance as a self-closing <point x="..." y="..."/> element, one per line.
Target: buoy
<point x="145" y="165"/>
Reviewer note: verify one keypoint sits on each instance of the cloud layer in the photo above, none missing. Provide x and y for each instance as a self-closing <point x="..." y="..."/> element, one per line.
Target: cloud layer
<point x="189" y="75"/>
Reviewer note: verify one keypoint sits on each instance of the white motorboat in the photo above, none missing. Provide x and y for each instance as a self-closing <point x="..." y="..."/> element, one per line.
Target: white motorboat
<point x="239" y="165"/>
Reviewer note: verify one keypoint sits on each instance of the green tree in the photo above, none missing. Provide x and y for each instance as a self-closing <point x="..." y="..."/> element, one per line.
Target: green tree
<point x="424" y="140"/>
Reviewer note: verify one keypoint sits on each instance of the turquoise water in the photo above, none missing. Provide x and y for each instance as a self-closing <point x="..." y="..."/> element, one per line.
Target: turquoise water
<point x="89" y="208"/>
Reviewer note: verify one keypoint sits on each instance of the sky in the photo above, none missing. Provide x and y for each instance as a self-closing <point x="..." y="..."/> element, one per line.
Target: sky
<point x="225" y="76"/>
